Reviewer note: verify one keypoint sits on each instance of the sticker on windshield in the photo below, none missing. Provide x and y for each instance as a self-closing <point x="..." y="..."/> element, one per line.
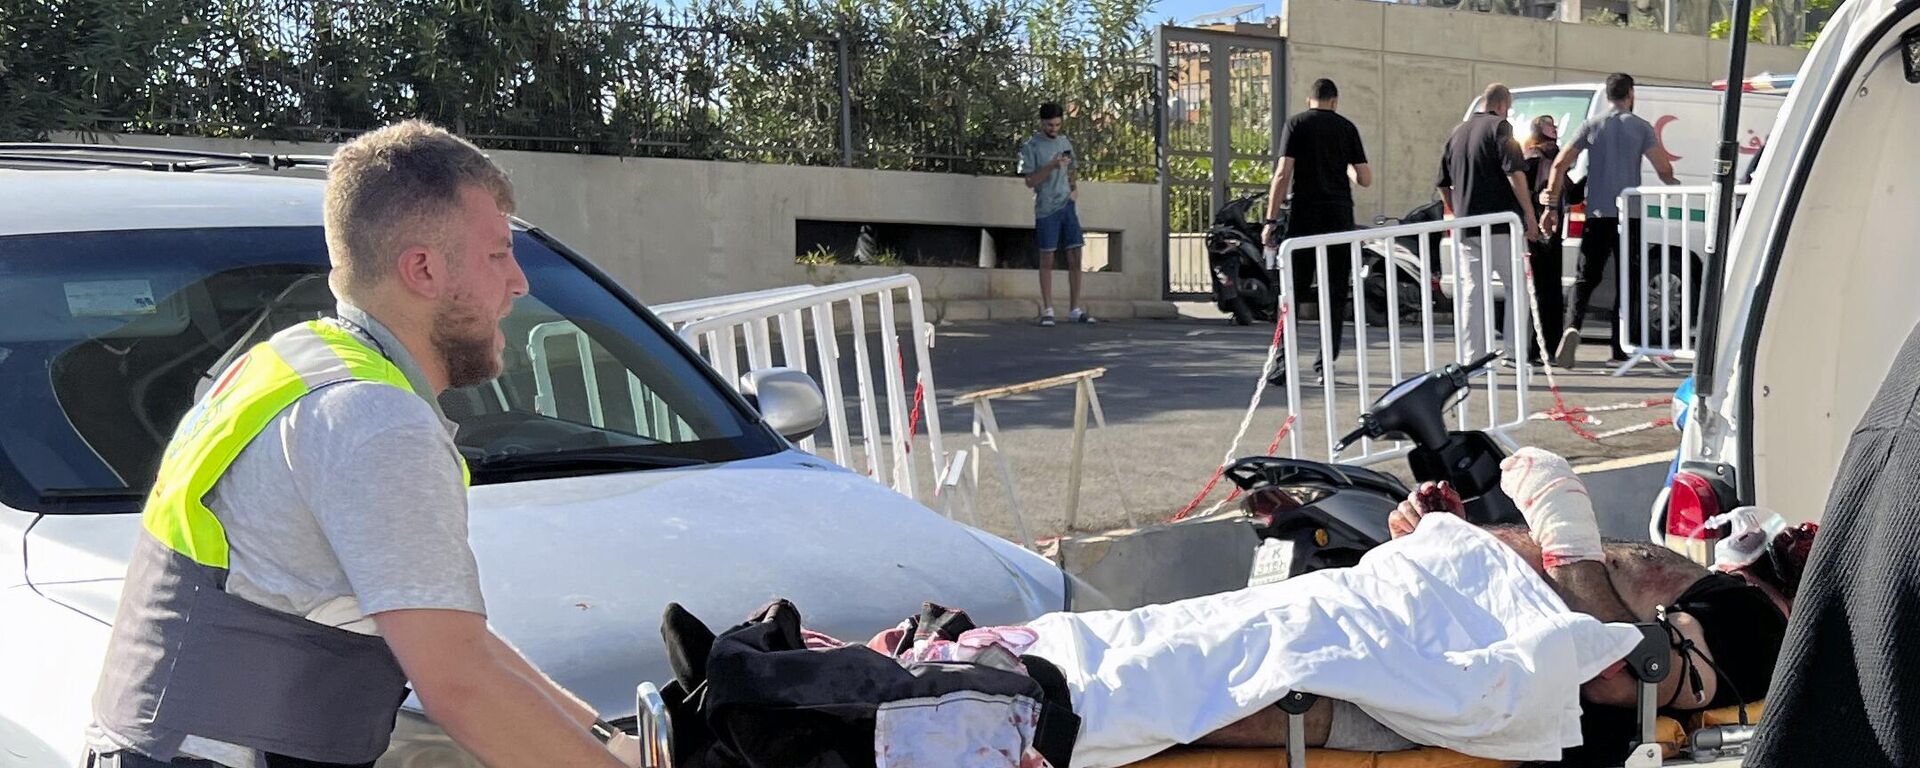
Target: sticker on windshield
<point x="110" y="298"/>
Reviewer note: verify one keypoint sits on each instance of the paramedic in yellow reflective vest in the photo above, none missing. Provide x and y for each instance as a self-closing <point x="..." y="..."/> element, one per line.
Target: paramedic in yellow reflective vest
<point x="304" y="557"/>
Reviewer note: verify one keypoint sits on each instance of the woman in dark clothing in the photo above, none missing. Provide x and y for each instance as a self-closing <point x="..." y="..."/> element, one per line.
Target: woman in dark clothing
<point x="1539" y="150"/>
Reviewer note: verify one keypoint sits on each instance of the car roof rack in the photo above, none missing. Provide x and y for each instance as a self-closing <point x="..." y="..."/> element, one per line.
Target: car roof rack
<point x="149" y="158"/>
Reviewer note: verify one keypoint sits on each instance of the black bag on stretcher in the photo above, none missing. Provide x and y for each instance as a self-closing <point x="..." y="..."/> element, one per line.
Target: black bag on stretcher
<point x="756" y="696"/>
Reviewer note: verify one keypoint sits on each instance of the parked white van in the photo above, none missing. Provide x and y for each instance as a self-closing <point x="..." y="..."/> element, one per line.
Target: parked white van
<point x="1687" y="122"/>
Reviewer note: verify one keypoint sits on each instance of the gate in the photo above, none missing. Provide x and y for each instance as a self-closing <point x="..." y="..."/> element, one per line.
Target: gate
<point x="1222" y="102"/>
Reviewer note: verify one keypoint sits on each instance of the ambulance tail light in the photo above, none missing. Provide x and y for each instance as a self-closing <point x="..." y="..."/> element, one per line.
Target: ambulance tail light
<point x="1699" y="492"/>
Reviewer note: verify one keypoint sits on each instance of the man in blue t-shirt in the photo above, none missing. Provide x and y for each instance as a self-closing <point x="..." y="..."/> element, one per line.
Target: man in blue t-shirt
<point x="1616" y="142"/>
<point x="1046" y="163"/>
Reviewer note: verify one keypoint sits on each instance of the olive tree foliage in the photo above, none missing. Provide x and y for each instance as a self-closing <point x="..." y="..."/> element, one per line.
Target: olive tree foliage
<point x="931" y="85"/>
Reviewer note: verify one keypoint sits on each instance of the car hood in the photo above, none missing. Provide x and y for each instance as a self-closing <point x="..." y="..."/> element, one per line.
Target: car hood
<point x="576" y="571"/>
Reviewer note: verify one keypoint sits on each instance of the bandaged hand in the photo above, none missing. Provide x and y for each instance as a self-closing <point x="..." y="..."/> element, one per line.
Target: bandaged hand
<point x="1555" y="503"/>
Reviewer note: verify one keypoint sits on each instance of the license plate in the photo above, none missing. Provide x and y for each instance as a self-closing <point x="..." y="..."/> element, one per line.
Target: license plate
<point x="1272" y="562"/>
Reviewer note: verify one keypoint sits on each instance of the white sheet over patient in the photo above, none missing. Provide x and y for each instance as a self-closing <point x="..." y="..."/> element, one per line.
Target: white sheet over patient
<point x="1445" y="636"/>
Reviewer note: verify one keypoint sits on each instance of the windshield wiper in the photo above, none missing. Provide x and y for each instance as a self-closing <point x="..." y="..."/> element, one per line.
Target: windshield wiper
<point x="582" y="459"/>
<point x="60" y="497"/>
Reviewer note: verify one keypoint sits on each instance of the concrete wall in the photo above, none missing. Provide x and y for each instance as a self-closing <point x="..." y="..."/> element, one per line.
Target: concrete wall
<point x="681" y="229"/>
<point x="1407" y="73"/>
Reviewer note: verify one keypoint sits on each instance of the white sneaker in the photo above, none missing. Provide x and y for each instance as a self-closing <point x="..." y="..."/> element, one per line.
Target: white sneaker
<point x="1046" y="318"/>
<point x="1080" y="316"/>
<point x="1567" y="355"/>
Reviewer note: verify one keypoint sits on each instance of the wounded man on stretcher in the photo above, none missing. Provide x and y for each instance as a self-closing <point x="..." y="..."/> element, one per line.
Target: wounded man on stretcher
<point x="1483" y="641"/>
<point x="1501" y="643"/>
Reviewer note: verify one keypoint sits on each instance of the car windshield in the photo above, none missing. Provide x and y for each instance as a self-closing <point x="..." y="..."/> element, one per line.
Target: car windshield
<point x="106" y="338"/>
<point x="1568" y="108"/>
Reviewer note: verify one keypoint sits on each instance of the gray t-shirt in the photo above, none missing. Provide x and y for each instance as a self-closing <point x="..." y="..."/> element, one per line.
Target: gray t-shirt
<point x="350" y="503"/>
<point x="1615" y="142"/>
<point x="1052" y="194"/>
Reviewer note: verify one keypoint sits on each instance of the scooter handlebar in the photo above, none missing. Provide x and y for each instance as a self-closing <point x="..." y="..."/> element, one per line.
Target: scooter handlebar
<point x="1365" y="430"/>
<point x="1483" y="361"/>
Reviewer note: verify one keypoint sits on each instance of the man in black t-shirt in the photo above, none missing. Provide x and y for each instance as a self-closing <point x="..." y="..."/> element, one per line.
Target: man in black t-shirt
<point x="1482" y="172"/>
<point x="1319" y="152"/>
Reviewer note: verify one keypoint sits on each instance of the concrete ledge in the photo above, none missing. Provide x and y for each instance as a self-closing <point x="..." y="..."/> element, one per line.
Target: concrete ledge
<point x="1110" y="310"/>
<point x="1010" y="309"/>
<point x="950" y="311"/>
<point x="1155" y="310"/>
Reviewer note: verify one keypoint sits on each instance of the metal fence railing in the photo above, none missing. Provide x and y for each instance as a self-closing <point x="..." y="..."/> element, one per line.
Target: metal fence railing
<point x="1402" y="325"/>
<point x="802" y="327"/>
<point x="1665" y="236"/>
<point x="623" y="77"/>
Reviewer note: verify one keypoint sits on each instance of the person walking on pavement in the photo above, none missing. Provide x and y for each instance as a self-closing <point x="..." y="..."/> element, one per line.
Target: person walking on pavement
<point x="304" y="559"/>
<point x="1320" y="153"/>
<point x="1046" y="162"/>
<point x="1615" y="142"/>
<point x="1539" y="151"/>
<point x="1482" y="159"/>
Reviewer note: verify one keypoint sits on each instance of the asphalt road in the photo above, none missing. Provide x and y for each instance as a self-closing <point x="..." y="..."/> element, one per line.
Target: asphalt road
<point x="1174" y="394"/>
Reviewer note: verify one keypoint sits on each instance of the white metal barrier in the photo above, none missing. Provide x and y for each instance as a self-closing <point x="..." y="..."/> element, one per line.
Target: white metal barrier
<point x="650" y="412"/>
<point x="1504" y="393"/>
<point x="749" y="332"/>
<point x="680" y="313"/>
<point x="1665" y="235"/>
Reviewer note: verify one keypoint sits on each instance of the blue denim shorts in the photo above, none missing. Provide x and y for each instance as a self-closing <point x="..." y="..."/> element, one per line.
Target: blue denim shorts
<point x="1058" y="230"/>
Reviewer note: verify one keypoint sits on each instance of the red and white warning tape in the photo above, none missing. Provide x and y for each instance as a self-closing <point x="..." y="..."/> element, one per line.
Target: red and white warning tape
<point x="1575" y="416"/>
<point x="1246" y="421"/>
<point x="1583" y="414"/>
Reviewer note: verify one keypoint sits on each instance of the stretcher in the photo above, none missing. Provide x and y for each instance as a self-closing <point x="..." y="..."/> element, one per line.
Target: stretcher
<point x="1658" y="738"/>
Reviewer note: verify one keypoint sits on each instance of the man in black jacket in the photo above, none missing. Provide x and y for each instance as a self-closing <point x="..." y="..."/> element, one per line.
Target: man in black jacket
<point x="1320" y="154"/>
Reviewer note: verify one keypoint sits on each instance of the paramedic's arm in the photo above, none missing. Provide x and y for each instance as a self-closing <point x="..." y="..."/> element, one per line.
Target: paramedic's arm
<point x="413" y="572"/>
<point x="576" y="710"/>
<point x="1662" y="164"/>
<point x="470" y="689"/>
<point x="625" y="746"/>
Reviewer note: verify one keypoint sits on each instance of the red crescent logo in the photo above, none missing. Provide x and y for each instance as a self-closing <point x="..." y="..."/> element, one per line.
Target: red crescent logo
<point x="1660" y="134"/>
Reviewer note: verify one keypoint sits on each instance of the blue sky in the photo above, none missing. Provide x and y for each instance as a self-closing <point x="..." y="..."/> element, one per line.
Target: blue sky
<point x="1183" y="11"/>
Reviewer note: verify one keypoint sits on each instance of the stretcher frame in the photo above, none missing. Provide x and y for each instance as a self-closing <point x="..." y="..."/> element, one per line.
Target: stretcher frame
<point x="1647" y="663"/>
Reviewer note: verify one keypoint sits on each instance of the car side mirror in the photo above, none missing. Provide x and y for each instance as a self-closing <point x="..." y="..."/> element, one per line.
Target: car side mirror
<point x="789" y="401"/>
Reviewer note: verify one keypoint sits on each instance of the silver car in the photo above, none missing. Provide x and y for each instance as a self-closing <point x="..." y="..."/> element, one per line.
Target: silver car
<point x="122" y="289"/>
